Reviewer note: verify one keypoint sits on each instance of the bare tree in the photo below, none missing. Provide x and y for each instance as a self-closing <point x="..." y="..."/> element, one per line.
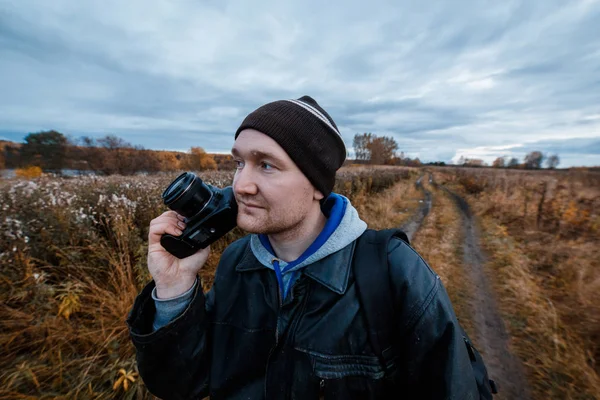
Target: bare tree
<point x="552" y="161"/>
<point x="534" y="160"/>
<point x="361" y="146"/>
<point x="113" y="155"/>
<point x="513" y="163"/>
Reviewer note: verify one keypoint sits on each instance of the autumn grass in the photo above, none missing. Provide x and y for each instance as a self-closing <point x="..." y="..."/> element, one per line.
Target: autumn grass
<point x="395" y="205"/>
<point x="540" y="231"/>
<point x="72" y="260"/>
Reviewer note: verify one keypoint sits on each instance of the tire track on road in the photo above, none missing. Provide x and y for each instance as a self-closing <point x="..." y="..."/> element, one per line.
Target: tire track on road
<point x="414" y="223"/>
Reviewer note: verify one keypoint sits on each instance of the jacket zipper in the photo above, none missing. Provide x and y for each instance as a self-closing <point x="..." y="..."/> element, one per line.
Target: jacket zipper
<point x="280" y="305"/>
<point x="276" y="330"/>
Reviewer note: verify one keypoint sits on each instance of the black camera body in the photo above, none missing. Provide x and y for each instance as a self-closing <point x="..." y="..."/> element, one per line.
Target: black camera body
<point x="209" y="214"/>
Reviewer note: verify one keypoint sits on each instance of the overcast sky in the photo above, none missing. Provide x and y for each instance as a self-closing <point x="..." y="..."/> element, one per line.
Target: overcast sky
<point x="444" y="78"/>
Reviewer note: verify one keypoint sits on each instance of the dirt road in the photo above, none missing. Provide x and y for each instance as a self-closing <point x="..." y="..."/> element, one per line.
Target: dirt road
<point x="491" y="338"/>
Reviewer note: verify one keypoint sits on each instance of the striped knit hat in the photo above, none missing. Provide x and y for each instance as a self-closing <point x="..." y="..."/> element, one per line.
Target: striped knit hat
<point x="308" y="135"/>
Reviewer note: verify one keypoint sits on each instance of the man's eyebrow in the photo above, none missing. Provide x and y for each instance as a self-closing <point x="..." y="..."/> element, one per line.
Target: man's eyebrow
<point x="257" y="154"/>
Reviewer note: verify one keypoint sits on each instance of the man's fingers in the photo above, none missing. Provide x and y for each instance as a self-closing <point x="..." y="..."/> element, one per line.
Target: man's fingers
<point x="178" y="216"/>
<point x="165" y="226"/>
<point x="168" y="216"/>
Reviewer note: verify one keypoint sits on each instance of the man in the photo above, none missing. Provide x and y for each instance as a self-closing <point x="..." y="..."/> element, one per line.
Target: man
<point x="283" y="319"/>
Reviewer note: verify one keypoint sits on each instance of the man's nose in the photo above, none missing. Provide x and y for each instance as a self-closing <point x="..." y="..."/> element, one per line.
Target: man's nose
<point x="244" y="182"/>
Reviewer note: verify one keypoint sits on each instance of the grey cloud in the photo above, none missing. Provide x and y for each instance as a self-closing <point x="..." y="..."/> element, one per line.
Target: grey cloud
<point x="567" y="146"/>
<point x="442" y="79"/>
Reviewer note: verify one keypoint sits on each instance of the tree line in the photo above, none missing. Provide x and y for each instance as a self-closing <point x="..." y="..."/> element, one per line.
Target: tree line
<point x="53" y="152"/>
<point x="380" y="150"/>
<point x="532" y="160"/>
<point x="373" y="149"/>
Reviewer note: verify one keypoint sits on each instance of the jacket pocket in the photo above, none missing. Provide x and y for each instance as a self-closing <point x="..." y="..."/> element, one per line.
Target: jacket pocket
<point x="342" y="366"/>
<point x="347" y="377"/>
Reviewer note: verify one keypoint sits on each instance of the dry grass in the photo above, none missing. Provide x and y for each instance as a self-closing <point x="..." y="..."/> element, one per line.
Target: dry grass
<point x="394" y="206"/>
<point x="541" y="232"/>
<point x="72" y="260"/>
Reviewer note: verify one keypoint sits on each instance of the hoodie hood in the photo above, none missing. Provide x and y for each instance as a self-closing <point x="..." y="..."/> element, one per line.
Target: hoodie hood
<point x="343" y="226"/>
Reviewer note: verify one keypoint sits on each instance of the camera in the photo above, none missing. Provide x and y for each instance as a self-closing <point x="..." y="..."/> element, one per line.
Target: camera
<point x="209" y="214"/>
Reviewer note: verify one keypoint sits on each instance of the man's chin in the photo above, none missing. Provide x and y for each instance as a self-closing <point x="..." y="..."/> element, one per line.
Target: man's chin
<point x="250" y="225"/>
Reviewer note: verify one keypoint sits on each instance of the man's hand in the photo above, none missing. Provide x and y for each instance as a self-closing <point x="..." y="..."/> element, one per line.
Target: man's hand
<point x="173" y="276"/>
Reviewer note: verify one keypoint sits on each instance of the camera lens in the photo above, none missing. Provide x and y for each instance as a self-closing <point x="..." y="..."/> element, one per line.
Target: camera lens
<point x="186" y="195"/>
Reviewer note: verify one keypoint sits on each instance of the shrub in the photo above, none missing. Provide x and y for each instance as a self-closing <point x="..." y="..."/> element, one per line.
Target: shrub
<point x="29" y="172"/>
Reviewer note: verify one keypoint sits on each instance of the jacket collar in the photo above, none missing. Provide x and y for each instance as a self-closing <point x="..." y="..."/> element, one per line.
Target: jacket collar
<point x="332" y="271"/>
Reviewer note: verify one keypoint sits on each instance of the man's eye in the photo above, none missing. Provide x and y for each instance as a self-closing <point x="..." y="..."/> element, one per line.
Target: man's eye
<point x="266" y="166"/>
<point x="238" y="163"/>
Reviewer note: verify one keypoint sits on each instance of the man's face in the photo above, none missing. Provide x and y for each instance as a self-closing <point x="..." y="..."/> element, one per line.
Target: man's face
<point x="273" y="195"/>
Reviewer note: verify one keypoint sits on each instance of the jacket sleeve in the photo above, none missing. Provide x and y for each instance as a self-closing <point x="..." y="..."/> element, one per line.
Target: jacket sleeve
<point x="174" y="360"/>
<point x="168" y="309"/>
<point x="433" y="359"/>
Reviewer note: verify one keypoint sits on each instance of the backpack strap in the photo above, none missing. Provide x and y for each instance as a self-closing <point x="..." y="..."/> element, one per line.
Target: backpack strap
<point x="371" y="277"/>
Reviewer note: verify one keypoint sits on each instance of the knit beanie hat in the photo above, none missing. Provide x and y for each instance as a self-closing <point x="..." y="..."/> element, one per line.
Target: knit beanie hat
<point x="307" y="134"/>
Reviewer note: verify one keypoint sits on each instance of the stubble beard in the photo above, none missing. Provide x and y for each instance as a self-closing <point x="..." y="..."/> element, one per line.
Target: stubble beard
<point x="269" y="221"/>
<point x="269" y="224"/>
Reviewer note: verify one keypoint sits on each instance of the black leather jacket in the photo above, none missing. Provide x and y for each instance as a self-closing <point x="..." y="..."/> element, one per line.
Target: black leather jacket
<point x="241" y="342"/>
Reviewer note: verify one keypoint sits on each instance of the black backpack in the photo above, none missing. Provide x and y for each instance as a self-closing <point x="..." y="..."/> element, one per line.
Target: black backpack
<point x="371" y="284"/>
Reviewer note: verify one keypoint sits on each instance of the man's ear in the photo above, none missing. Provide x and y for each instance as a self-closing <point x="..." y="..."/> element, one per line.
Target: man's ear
<point x="318" y="195"/>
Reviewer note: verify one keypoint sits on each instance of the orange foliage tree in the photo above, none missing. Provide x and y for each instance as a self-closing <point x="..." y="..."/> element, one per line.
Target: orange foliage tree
<point x="200" y="160"/>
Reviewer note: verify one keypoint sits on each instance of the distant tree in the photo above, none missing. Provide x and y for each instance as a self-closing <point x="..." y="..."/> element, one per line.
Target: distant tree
<point x="116" y="155"/>
<point x="2" y="162"/>
<point x="474" y="162"/>
<point x="12" y="155"/>
<point x="498" y="162"/>
<point x="112" y="142"/>
<point x="382" y="149"/>
<point x="361" y="146"/>
<point x="552" y="161"/>
<point x="88" y="155"/>
<point x="169" y="160"/>
<point x="461" y="161"/>
<point x="113" y="155"/>
<point x="225" y="161"/>
<point x="513" y="163"/>
<point x="46" y="150"/>
<point x="145" y="160"/>
<point x="200" y="160"/>
<point x="374" y="149"/>
<point x="534" y="160"/>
